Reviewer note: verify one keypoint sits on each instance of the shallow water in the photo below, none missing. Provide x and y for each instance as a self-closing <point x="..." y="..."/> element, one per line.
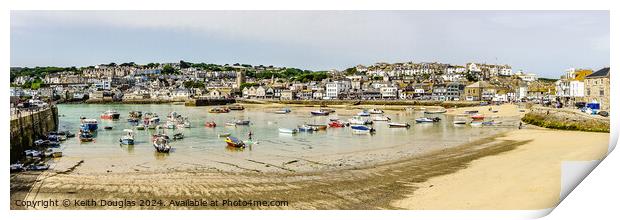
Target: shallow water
<point x="202" y="147"/>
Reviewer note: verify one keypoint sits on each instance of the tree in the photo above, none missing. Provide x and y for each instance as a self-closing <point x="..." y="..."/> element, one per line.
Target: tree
<point x="168" y="70"/>
<point x="184" y="65"/>
<point x="350" y="71"/>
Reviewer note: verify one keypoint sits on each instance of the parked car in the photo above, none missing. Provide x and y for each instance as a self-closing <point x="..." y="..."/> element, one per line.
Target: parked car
<point x="603" y="113"/>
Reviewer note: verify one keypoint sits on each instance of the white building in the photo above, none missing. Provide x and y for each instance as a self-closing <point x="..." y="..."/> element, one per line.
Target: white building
<point x="389" y="92"/>
<point x="528" y="77"/>
<point x="332" y="89"/>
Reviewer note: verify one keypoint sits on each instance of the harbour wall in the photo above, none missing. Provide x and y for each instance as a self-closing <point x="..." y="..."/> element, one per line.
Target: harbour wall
<point x="208" y="102"/>
<point x="28" y="126"/>
<point x="566" y="119"/>
<point x="446" y="104"/>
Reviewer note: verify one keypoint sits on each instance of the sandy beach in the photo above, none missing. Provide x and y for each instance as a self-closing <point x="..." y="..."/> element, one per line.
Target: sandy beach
<point x="518" y="169"/>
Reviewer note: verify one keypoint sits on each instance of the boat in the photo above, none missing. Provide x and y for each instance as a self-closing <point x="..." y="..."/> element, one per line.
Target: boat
<point x="152" y="123"/>
<point x="426" y="119"/>
<point x="234" y="142"/>
<point x="242" y="122"/>
<point x="438" y="111"/>
<point x="210" y="124"/>
<point x="307" y="128"/>
<point x="17" y="167"/>
<point x="38" y="167"/>
<point x="111" y="114"/>
<point x="477" y="117"/>
<point x="317" y="127"/>
<point x="381" y="118"/>
<point x="363" y="113"/>
<point x="236" y="107"/>
<point x="330" y="110"/>
<point x="460" y="120"/>
<point x="140" y="127"/>
<point x="135" y="114"/>
<point x="178" y="136"/>
<point x="67" y="134"/>
<point x="362" y="129"/>
<point x="224" y="135"/>
<point x="319" y="112"/>
<point x="187" y="124"/>
<point x="288" y="130"/>
<point x="232" y="123"/>
<point x="86" y="137"/>
<point x="375" y="111"/>
<point x="171" y="125"/>
<point x="32" y="153"/>
<point x="488" y="123"/>
<point x="133" y="120"/>
<point x="219" y="110"/>
<point x="398" y="125"/>
<point x="128" y="138"/>
<point x="358" y="120"/>
<point x="469" y="112"/>
<point x="51" y="153"/>
<point x="173" y="116"/>
<point x="161" y="145"/>
<point x="90" y="124"/>
<point x="107" y="127"/>
<point x="283" y="111"/>
<point x="476" y="124"/>
<point x="337" y="124"/>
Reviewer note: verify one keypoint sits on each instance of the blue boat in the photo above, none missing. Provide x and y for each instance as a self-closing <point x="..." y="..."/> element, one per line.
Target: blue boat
<point x="128" y="138"/>
<point x="362" y="129"/>
<point x="90" y="124"/>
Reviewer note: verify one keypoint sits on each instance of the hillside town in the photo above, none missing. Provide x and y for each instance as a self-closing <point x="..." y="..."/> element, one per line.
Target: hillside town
<point x="182" y="81"/>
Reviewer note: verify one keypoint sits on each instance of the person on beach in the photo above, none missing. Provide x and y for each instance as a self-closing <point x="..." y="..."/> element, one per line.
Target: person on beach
<point x="250" y="135"/>
<point x="520" y="125"/>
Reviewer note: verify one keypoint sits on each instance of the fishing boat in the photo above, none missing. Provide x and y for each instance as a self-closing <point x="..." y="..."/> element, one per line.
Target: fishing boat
<point x="128" y="138"/>
<point x="288" y="130"/>
<point x="426" y="119"/>
<point x="381" y="118"/>
<point x="398" y="125"/>
<point x="210" y="124"/>
<point x="337" y="124"/>
<point x="242" y="122"/>
<point x="319" y="112"/>
<point x="437" y="111"/>
<point x="224" y="135"/>
<point x="358" y="120"/>
<point x="283" y="111"/>
<point x="140" y="127"/>
<point x="86" y="137"/>
<point x="161" y="145"/>
<point x="90" y="124"/>
<point x="477" y="117"/>
<point x="363" y="113"/>
<point x="234" y="142"/>
<point x="460" y="119"/>
<point x="111" y="114"/>
<point x="236" y="107"/>
<point x="317" y="127"/>
<point x="307" y="128"/>
<point x="362" y="129"/>
<point x="375" y="111"/>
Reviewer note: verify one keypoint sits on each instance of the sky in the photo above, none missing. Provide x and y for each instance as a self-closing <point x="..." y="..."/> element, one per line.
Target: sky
<point x="542" y="42"/>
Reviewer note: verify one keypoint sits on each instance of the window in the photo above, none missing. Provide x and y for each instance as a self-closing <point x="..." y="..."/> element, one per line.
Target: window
<point x="601" y="92"/>
<point x="588" y="91"/>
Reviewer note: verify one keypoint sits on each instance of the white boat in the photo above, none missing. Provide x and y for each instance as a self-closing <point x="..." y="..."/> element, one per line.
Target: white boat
<point x="170" y="125"/>
<point x="161" y="145"/>
<point x="398" y="125"/>
<point x="436" y="111"/>
<point x="426" y="120"/>
<point x="288" y="130"/>
<point x="128" y="138"/>
<point x="358" y="120"/>
<point x="375" y="111"/>
<point x="460" y="119"/>
<point x="476" y="124"/>
<point x="363" y="113"/>
<point x="381" y="118"/>
<point x="187" y="124"/>
<point x="283" y="111"/>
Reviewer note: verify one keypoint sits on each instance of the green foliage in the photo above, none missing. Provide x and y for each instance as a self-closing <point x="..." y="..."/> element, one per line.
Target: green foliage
<point x="243" y="85"/>
<point x="152" y="65"/>
<point x="38" y="72"/>
<point x="128" y="64"/>
<point x="350" y="71"/>
<point x="184" y="64"/>
<point x="168" y="70"/>
<point x="194" y="84"/>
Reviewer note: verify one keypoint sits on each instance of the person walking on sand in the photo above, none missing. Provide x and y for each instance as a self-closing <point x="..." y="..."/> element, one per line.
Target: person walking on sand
<point x="520" y="125"/>
<point x="250" y="135"/>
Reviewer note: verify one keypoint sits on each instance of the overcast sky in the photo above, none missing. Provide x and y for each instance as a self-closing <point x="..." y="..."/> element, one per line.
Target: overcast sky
<point x="543" y="42"/>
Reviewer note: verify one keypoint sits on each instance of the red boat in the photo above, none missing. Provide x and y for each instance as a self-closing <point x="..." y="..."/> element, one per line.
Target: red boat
<point x="336" y="124"/>
<point x="210" y="124"/>
<point x="477" y="117"/>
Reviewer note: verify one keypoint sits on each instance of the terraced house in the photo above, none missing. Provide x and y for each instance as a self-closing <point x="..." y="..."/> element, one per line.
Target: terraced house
<point x="597" y="88"/>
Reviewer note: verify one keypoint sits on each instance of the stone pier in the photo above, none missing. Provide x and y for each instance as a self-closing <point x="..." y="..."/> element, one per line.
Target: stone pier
<point x="30" y="125"/>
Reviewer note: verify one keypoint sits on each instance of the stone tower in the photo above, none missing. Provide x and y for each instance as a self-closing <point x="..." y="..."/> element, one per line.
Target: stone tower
<point x="240" y="77"/>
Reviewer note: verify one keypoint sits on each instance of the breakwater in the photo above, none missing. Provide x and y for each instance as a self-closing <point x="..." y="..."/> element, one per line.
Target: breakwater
<point x="28" y="125"/>
<point x="566" y="119"/>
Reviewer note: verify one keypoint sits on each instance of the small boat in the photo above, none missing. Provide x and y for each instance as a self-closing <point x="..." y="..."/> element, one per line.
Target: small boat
<point x="67" y="134"/>
<point x="41" y="142"/>
<point x="488" y="123"/>
<point x="236" y="107"/>
<point x="242" y="122"/>
<point x="288" y="130"/>
<point x="111" y="114"/>
<point x="317" y="127"/>
<point x="171" y="125"/>
<point x="224" y="135"/>
<point x="363" y="114"/>
<point x="362" y="129"/>
<point x="320" y="112"/>
<point x="381" y="118"/>
<point x="438" y="111"/>
<point x="231" y="124"/>
<point x="90" y="124"/>
<point x="107" y="127"/>
<point x="460" y="120"/>
<point x="140" y="127"/>
<point x="476" y="124"/>
<point x="337" y="124"/>
<point x="128" y="138"/>
<point x="283" y="111"/>
<point x="86" y="137"/>
<point x="178" y="136"/>
<point x="210" y="124"/>
<point x="160" y="135"/>
<point x="187" y="124"/>
<point x="307" y="128"/>
<point x="51" y="153"/>
<point x="469" y="112"/>
<point x="38" y="167"/>
<point x="234" y="142"/>
<point x="133" y="120"/>
<point x="426" y="120"/>
<point x="477" y="117"/>
<point x="330" y="110"/>
<point x="32" y="153"/>
<point x="219" y="110"/>
<point x="17" y="167"/>
<point x="135" y="114"/>
<point x="375" y="111"/>
<point x="398" y="125"/>
<point x="161" y="145"/>
<point x="358" y="120"/>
